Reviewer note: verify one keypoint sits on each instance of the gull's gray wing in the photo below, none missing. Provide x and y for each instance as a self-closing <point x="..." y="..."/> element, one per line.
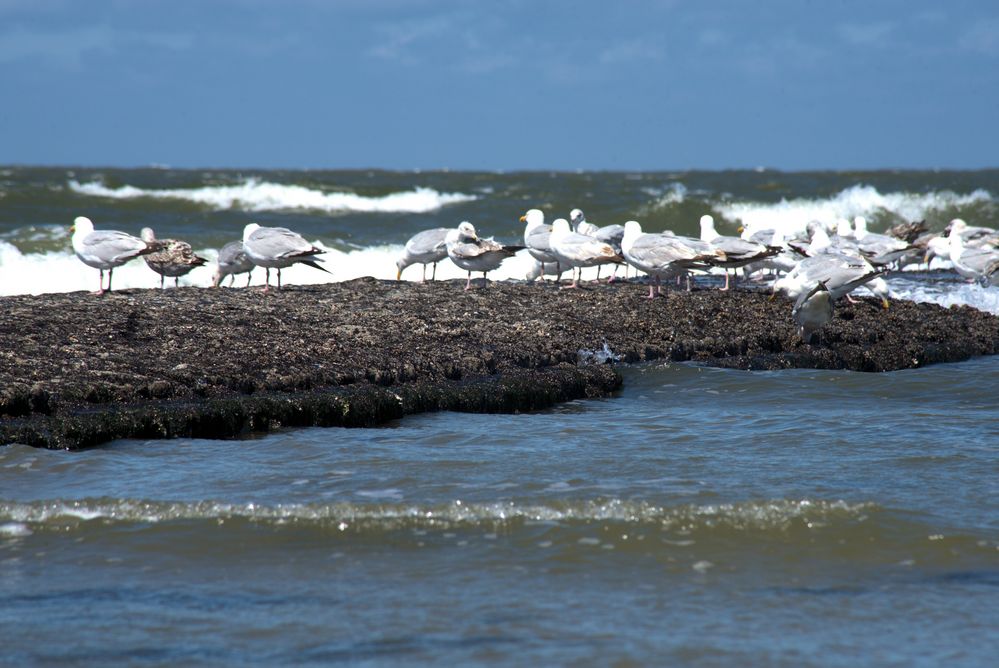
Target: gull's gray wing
<point x="113" y="246"/>
<point x="279" y="243"/>
<point x="428" y="242"/>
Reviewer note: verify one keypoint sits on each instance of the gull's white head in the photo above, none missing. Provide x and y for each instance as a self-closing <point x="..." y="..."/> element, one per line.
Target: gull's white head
<point x="82" y="226"/>
<point x="844" y="228"/>
<point x="467" y="231"/>
<point x="957" y="227"/>
<point x="860" y="227"/>
<point x="147" y="234"/>
<point x="632" y="230"/>
<point x="249" y="229"/>
<point x="534" y="218"/>
<point x="560" y="226"/>
<point x="820" y="239"/>
<point x="576" y="216"/>
<point x="708" y="231"/>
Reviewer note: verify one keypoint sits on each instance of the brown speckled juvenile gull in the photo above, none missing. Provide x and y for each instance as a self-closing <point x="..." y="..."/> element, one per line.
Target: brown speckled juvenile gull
<point x="174" y="258"/>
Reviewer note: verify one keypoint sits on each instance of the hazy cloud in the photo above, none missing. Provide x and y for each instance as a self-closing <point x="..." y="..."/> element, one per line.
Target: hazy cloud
<point x="630" y="52"/>
<point x="983" y="37"/>
<point x="67" y="47"/>
<point x="865" y="34"/>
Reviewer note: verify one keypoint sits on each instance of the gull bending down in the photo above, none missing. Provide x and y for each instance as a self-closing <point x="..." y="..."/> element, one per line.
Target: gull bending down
<point x="232" y="260"/>
<point x="812" y="310"/>
<point x="106" y="249"/>
<point x="426" y="247"/>
<point x="277" y="248"/>
<point x="471" y="253"/>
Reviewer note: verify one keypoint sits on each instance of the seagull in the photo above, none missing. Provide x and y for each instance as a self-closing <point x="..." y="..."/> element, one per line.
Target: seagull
<point x="579" y="225"/>
<point x="738" y="252"/>
<point x="277" y="248"/>
<point x="812" y="310"/>
<point x="425" y="247"/>
<point x="841" y="274"/>
<point x="537" y="239"/>
<point x="879" y="248"/>
<point x="662" y="255"/>
<point x="578" y="250"/>
<point x="974" y="236"/>
<point x="232" y="260"/>
<point x="975" y="264"/>
<point x="471" y="253"/>
<point x="609" y="234"/>
<point x="106" y="249"/>
<point x="175" y="258"/>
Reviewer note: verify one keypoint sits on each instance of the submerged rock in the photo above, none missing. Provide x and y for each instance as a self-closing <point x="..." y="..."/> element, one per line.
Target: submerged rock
<point x="77" y="370"/>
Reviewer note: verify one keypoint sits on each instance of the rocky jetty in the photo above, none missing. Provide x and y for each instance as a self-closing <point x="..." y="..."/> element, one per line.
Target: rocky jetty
<point x="77" y="370"/>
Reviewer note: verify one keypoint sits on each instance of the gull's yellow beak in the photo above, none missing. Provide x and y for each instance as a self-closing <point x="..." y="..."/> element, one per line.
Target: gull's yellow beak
<point x="523" y="219"/>
<point x="398" y="275"/>
<point x="741" y="229"/>
<point x="884" y="303"/>
<point x="72" y="228"/>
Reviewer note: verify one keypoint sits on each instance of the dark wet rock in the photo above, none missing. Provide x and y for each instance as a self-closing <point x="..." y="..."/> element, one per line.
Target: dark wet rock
<point x="78" y="370"/>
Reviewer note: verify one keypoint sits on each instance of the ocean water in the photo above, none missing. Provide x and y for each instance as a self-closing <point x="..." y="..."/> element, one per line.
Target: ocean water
<point x="701" y="517"/>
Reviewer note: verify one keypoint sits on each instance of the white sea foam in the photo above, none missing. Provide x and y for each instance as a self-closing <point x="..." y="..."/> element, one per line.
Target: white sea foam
<point x="792" y="216"/>
<point x="38" y="273"/>
<point x="256" y="195"/>
<point x="950" y="294"/>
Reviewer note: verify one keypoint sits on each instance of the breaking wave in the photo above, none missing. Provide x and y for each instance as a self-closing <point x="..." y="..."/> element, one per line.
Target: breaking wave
<point x="256" y="195"/>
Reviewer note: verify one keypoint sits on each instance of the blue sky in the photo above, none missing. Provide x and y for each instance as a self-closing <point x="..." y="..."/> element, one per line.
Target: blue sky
<point x="503" y="84"/>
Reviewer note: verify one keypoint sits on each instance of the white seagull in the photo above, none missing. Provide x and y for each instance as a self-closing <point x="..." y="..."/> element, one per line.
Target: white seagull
<point x="579" y="250"/>
<point x="537" y="239"/>
<point x="426" y="247"/>
<point x="232" y="260"/>
<point x="106" y="249"/>
<point x="277" y="248"/>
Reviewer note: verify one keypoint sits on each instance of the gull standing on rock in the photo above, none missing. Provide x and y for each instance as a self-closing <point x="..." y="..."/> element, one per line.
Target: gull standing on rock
<point x="277" y="248"/>
<point x="975" y="264"/>
<point x="537" y="240"/>
<point x="471" y="253"/>
<point x="609" y="234"/>
<point x="106" y="249"/>
<point x="232" y="260"/>
<point x="738" y="252"/>
<point x="840" y="274"/>
<point x="426" y="247"/>
<point x="662" y="255"/>
<point x="812" y="310"/>
<point x="578" y="250"/>
<point x="175" y="258"/>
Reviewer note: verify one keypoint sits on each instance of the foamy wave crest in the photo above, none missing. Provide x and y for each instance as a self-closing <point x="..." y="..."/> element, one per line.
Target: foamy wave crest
<point x="256" y="195"/>
<point x="674" y="193"/>
<point x="962" y="294"/>
<point x="792" y="216"/>
<point x="779" y="514"/>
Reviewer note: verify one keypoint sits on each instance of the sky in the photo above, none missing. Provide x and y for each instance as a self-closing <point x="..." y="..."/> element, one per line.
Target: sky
<point x="501" y="84"/>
